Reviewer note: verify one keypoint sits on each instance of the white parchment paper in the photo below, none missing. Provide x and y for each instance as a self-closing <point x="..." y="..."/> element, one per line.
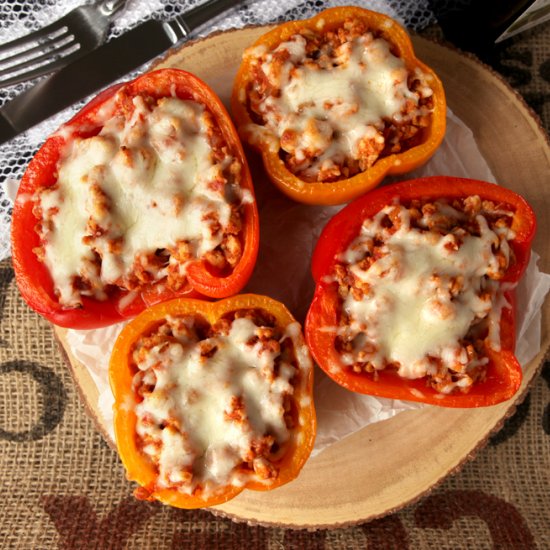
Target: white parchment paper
<point x="289" y="232"/>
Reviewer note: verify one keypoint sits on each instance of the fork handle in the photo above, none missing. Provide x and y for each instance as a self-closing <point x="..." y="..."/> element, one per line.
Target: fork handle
<point x="108" y="8"/>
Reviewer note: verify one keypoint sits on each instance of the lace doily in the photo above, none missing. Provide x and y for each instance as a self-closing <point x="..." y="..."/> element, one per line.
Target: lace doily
<point x="18" y="17"/>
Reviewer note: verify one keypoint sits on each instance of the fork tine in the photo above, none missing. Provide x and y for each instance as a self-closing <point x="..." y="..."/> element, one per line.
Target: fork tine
<point x="40" y="59"/>
<point x="39" y="71"/>
<point x="44" y="47"/>
<point x="53" y="46"/>
<point x="34" y="36"/>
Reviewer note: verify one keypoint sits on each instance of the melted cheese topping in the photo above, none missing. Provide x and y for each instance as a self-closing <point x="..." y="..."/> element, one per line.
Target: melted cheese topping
<point x="335" y="106"/>
<point x="140" y="185"/>
<point x="208" y="413"/>
<point x="423" y="294"/>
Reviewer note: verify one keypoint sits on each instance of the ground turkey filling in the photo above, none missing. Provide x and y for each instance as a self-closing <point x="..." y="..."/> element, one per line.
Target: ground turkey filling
<point x="335" y="102"/>
<point x="420" y="293"/>
<point x="156" y="188"/>
<point x="215" y="403"/>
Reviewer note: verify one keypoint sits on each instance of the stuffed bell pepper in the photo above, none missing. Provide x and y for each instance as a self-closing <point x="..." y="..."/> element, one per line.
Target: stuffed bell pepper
<point x="143" y="196"/>
<point x="337" y="102"/>
<point x="415" y="292"/>
<point x="212" y="398"/>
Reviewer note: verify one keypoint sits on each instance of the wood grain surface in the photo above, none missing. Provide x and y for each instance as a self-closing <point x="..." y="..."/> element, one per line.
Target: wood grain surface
<point x="392" y="463"/>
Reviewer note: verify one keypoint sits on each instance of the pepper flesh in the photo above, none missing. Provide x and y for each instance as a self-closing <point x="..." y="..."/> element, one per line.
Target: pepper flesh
<point x="138" y="466"/>
<point x="504" y="373"/>
<point x="345" y="189"/>
<point x="32" y="276"/>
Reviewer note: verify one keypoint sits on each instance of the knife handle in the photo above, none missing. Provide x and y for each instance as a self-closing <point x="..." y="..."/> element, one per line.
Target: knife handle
<point x="7" y="131"/>
<point x="203" y="13"/>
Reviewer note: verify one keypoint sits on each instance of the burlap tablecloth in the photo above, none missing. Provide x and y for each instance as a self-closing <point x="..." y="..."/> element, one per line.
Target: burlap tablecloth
<point x="63" y="487"/>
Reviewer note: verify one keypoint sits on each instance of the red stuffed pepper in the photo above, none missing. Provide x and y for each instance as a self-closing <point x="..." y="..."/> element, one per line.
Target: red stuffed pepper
<point x="415" y="292"/>
<point x="143" y="196"/>
<point x="212" y="398"/>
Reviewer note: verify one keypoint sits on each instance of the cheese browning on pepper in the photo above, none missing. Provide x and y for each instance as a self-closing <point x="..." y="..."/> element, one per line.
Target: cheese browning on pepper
<point x="335" y="102"/>
<point x="420" y="291"/>
<point x="215" y="403"/>
<point x="156" y="188"/>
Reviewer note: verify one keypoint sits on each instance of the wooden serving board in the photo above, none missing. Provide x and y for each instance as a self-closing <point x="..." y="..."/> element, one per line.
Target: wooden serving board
<point x="390" y="464"/>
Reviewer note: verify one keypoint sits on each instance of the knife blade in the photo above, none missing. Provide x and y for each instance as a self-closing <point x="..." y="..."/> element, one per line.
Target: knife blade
<point x="102" y="66"/>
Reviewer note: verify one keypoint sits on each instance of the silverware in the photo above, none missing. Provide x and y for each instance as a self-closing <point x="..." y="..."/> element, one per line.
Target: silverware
<point x="102" y="66"/>
<point x="57" y="44"/>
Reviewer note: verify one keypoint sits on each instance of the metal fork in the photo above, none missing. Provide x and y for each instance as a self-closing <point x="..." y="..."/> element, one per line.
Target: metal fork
<point x="52" y="47"/>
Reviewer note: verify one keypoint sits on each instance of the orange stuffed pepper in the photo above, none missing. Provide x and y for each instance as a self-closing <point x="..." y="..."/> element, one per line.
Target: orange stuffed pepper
<point x="337" y="102"/>
<point x="212" y="398"/>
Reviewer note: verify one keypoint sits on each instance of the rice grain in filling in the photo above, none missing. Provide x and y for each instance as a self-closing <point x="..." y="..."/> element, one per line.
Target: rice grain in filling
<point x="335" y="102"/>
<point x="215" y="402"/>
<point x="132" y="205"/>
<point x="420" y="293"/>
